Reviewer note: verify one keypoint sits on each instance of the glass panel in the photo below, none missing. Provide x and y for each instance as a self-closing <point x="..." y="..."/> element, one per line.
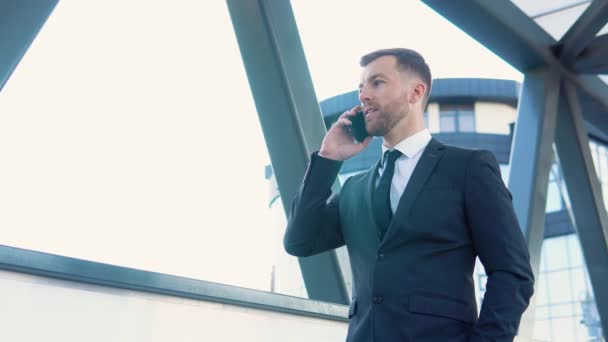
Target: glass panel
<point x="559" y="287"/>
<point x="563" y="329"/>
<point x="286" y="274"/>
<point x="579" y="285"/>
<point x="558" y="23"/>
<point x="594" y="156"/>
<point x="554" y="200"/>
<point x="535" y="8"/>
<point x="542" y="312"/>
<point x="555" y="16"/>
<point x="447" y="122"/>
<point x="466" y="121"/>
<point x="561" y="310"/>
<point x="542" y="330"/>
<point x="542" y="293"/>
<point x="574" y="251"/>
<point x="556" y="253"/>
<point x="603" y="173"/>
<point x="603" y="31"/>
<point x="114" y="146"/>
<point x="504" y="172"/>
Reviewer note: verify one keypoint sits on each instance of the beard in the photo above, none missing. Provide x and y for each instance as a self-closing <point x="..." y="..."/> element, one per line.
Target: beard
<point x="383" y="123"/>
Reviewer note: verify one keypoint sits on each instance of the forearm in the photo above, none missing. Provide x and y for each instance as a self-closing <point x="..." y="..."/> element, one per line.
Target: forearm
<point x="506" y="298"/>
<point x="313" y="223"/>
<point x="501" y="248"/>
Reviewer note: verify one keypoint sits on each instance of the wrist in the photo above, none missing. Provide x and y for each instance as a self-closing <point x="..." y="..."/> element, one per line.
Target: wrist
<point x="328" y="155"/>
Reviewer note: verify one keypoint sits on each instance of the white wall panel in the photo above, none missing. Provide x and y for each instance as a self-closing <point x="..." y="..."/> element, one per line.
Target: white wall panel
<point x="36" y="308"/>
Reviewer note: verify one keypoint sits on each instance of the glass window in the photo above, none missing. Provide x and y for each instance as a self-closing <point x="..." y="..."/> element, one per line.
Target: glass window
<point x="542" y="295"/>
<point x="602" y="174"/>
<point x="563" y="329"/>
<point x="447" y="122"/>
<point x="579" y="285"/>
<point x="114" y="149"/>
<point x="575" y="253"/>
<point x="556" y="253"/>
<point x="559" y="287"/>
<point x="554" y="199"/>
<point x="542" y="330"/>
<point x="466" y="121"/>
<point x="557" y="23"/>
<point x="561" y="310"/>
<point x="504" y="172"/>
<point x="542" y="312"/>
<point x="594" y="156"/>
<point x="456" y="118"/>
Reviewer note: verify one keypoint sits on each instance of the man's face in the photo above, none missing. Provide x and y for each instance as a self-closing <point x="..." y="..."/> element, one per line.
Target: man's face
<point x="385" y="93"/>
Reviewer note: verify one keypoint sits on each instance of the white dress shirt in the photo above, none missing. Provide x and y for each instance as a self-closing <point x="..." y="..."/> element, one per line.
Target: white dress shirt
<point x="411" y="149"/>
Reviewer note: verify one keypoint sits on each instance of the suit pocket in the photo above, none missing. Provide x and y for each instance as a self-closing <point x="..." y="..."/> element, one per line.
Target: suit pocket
<point x="441" y="307"/>
<point x="352" y="310"/>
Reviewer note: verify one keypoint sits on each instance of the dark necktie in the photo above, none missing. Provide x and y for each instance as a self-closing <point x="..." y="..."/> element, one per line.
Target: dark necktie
<point x="381" y="198"/>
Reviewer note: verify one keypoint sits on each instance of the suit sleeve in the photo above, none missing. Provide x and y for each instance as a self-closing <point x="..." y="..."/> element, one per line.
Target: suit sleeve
<point x="502" y="250"/>
<point x="313" y="224"/>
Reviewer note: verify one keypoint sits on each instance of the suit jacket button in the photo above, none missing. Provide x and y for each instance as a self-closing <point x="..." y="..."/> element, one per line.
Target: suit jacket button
<point x="377" y="299"/>
<point x="380" y="256"/>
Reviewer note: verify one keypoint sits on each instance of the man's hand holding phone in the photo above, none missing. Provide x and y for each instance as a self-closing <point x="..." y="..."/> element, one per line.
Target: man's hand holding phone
<point x="340" y="143"/>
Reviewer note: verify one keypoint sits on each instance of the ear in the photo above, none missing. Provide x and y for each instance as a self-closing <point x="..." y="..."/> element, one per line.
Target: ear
<point x="418" y="91"/>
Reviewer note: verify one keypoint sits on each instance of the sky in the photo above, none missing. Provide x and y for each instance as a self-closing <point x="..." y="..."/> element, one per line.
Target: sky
<point x="129" y="136"/>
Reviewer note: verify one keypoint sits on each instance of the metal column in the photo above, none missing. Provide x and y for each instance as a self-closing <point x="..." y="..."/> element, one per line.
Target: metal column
<point x="530" y="165"/>
<point x="585" y="194"/>
<point x="291" y="119"/>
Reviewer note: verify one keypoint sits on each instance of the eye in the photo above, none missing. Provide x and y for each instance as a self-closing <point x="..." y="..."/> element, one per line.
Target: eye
<point x="377" y="82"/>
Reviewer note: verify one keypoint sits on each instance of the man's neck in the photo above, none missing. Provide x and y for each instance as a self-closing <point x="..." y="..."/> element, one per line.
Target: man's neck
<point x="405" y="129"/>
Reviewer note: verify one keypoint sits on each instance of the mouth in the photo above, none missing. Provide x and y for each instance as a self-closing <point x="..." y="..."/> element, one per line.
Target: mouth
<point x="369" y="111"/>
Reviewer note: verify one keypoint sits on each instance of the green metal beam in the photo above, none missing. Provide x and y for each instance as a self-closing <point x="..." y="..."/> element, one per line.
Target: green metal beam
<point x="531" y="160"/>
<point x="20" y="22"/>
<point x="585" y="195"/>
<point x="289" y="112"/>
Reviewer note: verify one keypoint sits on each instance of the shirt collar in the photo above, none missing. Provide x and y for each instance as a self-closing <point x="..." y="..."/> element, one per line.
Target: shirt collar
<point x="413" y="144"/>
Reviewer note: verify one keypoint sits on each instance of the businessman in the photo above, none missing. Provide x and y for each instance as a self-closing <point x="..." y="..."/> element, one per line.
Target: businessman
<point x="414" y="223"/>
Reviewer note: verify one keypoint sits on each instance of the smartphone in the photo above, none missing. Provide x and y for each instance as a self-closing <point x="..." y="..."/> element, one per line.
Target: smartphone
<point x="358" y="127"/>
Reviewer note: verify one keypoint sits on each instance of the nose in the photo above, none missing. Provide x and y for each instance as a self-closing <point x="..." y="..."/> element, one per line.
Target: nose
<point x="364" y="95"/>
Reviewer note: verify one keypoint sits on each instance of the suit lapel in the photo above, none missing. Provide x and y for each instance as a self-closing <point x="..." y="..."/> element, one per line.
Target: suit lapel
<point x="422" y="171"/>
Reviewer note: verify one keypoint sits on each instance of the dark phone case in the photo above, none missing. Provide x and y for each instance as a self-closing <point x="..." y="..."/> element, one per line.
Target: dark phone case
<point x="358" y="127"/>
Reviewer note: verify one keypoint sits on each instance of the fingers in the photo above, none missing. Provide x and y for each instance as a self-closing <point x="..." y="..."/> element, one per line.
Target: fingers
<point x="343" y="122"/>
<point x="351" y="112"/>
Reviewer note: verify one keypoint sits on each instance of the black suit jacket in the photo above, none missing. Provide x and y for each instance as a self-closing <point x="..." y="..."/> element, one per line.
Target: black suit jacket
<point x="417" y="283"/>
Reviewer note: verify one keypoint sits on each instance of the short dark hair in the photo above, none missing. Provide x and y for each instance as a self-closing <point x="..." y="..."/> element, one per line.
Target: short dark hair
<point x="407" y="60"/>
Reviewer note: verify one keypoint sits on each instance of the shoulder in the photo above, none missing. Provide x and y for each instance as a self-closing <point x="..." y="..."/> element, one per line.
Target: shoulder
<point x="357" y="179"/>
<point x="467" y="155"/>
